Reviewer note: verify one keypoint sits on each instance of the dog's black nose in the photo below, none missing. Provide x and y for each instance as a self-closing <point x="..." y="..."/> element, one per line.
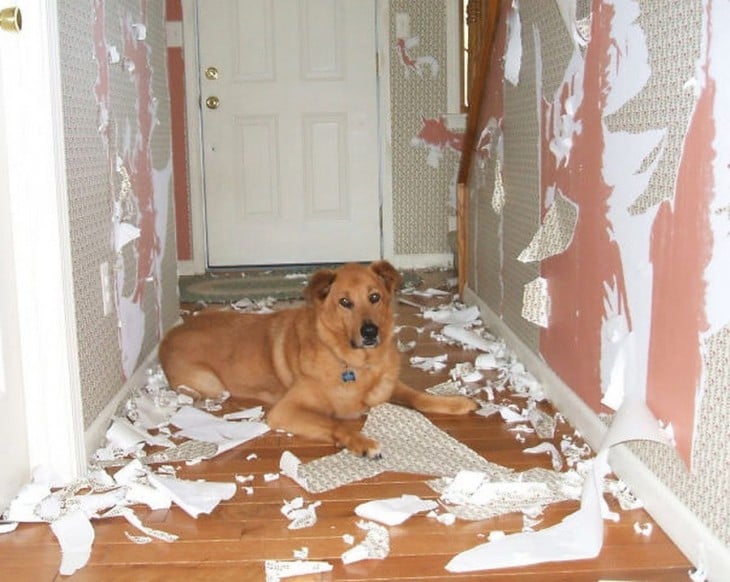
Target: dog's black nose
<point x="369" y="332"/>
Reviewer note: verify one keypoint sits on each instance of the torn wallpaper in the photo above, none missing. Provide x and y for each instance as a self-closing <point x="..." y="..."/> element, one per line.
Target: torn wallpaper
<point x="628" y="130"/>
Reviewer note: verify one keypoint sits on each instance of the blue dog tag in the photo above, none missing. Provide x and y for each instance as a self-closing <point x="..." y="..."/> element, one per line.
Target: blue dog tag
<point x="348" y="376"/>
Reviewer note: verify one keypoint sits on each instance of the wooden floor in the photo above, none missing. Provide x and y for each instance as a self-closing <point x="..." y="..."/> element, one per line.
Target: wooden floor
<point x="233" y="542"/>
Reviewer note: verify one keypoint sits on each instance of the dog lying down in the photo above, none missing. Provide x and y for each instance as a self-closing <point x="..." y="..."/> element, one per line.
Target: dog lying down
<point x="318" y="365"/>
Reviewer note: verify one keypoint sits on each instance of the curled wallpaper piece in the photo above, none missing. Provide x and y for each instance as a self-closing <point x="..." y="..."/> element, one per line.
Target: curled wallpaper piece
<point x="125" y="436"/>
<point x="556" y="232"/>
<point x="375" y="546"/>
<point x="75" y="536"/>
<point x="536" y="302"/>
<point x="579" y="536"/>
<point x="200" y="425"/>
<point x="131" y="517"/>
<point x="513" y="51"/>
<point x="453" y="316"/>
<point x="276" y="570"/>
<point x="395" y="510"/>
<point x="289" y="465"/>
<point x="468" y="338"/>
<point x="429" y="364"/>
<point x="299" y="515"/>
<point x="552" y="450"/>
<point x="193" y="497"/>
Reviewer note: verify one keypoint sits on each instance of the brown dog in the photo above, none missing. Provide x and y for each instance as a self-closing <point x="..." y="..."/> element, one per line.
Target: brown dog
<point x="319" y="365"/>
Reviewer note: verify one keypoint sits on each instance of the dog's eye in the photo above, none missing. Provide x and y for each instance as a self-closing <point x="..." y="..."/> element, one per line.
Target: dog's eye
<point x="346" y="303"/>
<point x="374" y="297"/>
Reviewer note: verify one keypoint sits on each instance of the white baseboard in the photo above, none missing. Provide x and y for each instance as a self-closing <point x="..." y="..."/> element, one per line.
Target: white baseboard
<point x="702" y="547"/>
<point x="94" y="435"/>
<point x="190" y="268"/>
<point x="422" y="261"/>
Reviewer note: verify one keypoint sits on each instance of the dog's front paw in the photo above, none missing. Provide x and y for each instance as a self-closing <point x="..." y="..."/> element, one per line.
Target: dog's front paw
<point x="362" y="446"/>
<point x="461" y="405"/>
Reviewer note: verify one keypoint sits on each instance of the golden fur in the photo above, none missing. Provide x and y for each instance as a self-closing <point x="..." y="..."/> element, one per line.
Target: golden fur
<point x="318" y="365"/>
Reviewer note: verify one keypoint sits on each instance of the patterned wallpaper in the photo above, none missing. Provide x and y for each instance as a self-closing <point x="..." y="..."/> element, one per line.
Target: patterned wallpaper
<point x="425" y="155"/>
<point x="632" y="168"/>
<point x="117" y="142"/>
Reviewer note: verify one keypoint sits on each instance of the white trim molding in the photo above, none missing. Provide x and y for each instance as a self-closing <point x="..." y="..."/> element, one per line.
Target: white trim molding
<point x="51" y="381"/>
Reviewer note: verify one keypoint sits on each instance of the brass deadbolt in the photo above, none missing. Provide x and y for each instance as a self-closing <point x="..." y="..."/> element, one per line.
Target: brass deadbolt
<point x="11" y="19"/>
<point x="211" y="73"/>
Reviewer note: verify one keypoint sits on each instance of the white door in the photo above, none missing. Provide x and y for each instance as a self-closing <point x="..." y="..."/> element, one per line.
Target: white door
<point x="13" y="434"/>
<point x="290" y="131"/>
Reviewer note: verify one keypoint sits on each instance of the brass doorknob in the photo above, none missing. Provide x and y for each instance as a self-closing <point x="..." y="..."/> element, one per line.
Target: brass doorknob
<point x="212" y="102"/>
<point x="11" y="19"/>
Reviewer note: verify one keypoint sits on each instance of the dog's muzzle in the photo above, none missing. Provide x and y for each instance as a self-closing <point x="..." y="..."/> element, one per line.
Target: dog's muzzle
<point x="370" y="334"/>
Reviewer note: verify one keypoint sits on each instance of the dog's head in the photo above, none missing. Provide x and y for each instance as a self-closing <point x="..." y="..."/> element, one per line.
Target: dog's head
<point x="354" y="302"/>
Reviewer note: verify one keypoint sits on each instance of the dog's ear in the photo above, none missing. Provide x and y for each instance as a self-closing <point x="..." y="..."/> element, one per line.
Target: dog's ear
<point x="319" y="285"/>
<point x="388" y="273"/>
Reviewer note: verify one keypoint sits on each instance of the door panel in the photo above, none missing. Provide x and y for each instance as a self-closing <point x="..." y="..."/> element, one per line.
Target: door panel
<point x="291" y="151"/>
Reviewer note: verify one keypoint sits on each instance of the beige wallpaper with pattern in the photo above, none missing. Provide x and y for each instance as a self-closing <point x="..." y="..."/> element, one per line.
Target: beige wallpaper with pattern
<point x="116" y="124"/>
<point x="420" y="188"/>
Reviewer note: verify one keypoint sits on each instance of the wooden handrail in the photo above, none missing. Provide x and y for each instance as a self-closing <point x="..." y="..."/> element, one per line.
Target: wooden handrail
<point x="476" y="93"/>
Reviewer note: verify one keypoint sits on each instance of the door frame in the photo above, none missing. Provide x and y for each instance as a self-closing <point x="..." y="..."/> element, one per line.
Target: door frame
<point x="41" y="336"/>
<point x="193" y="109"/>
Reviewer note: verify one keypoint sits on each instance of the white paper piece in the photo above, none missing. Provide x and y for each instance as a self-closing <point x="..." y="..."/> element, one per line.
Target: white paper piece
<point x="194" y="497"/>
<point x="123" y="435"/>
<point x="153" y="413"/>
<point x="22" y="507"/>
<point x="429" y="364"/>
<point x="254" y="413"/>
<point x="200" y="425"/>
<point x="395" y="510"/>
<point x="131" y="517"/>
<point x="124" y="234"/>
<point x="139" y="540"/>
<point x="551" y="449"/>
<point x="644" y="529"/>
<point x="430" y="292"/>
<point x="8" y="526"/>
<point x="375" y="546"/>
<point x="510" y="416"/>
<point x="469" y="338"/>
<point x="289" y="466"/>
<point x="513" y="51"/>
<point x="542" y="422"/>
<point x="75" y="536"/>
<point x="277" y="569"/>
<point x="299" y="515"/>
<point x="453" y="316"/>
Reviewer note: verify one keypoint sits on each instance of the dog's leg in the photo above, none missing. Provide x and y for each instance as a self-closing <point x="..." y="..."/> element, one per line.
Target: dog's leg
<point x="196" y="381"/>
<point x="293" y="417"/>
<point x="425" y="402"/>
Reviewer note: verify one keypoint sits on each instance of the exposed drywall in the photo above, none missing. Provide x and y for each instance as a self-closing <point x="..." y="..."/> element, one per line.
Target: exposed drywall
<point x="627" y="224"/>
<point x="117" y="129"/>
